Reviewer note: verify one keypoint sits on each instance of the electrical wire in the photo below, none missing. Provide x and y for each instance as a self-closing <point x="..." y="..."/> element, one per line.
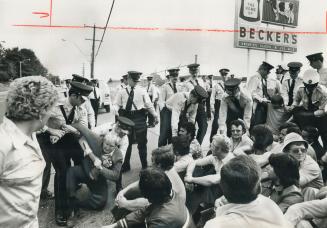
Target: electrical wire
<point x="105" y="28"/>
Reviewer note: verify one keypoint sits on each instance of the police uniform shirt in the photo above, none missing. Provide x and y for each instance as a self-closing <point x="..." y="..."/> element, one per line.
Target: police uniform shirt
<point x="245" y="102"/>
<point x="255" y="87"/>
<point x="167" y="91"/>
<point x="122" y="86"/>
<point x="323" y="76"/>
<point x="57" y="119"/>
<point x="150" y="88"/>
<point x="176" y="104"/>
<point x="218" y="90"/>
<point x="141" y="100"/>
<point x="189" y="85"/>
<point x="319" y="97"/>
<point x="90" y="113"/>
<point x="93" y="95"/>
<point x="286" y="88"/>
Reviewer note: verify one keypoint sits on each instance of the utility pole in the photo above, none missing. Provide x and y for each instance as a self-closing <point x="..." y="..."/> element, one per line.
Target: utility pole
<point x="92" y="54"/>
<point x="83" y="70"/>
<point x="196" y="59"/>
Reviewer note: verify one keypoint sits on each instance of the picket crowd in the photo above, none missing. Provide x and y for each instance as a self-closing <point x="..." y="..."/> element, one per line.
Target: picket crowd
<point x="266" y="165"/>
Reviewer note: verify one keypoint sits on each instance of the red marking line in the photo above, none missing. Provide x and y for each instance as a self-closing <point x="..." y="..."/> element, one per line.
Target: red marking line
<point x="167" y="29"/>
<point x="50" y="12"/>
<point x="44" y="14"/>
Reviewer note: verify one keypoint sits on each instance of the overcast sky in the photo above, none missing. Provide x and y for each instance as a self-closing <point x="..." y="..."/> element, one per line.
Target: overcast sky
<point x="146" y="51"/>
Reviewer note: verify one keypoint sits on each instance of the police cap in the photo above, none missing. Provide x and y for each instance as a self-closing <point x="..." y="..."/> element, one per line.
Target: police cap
<point x="311" y="77"/>
<point x="135" y="75"/>
<point x="294" y="65"/>
<point x="232" y="83"/>
<point x="124" y="76"/>
<point x="173" y="72"/>
<point x="193" y="66"/>
<point x="80" y="89"/>
<point x="314" y="57"/>
<point x="79" y="78"/>
<point x="125" y="123"/>
<point x="267" y="66"/>
<point x="200" y="92"/>
<point x="224" y="70"/>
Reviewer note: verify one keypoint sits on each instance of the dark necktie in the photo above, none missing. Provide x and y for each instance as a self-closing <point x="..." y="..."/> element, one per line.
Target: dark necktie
<point x="130" y="100"/>
<point x="95" y="93"/>
<point x="174" y="88"/>
<point x="71" y="115"/>
<point x="264" y="88"/>
<point x="148" y="87"/>
<point x="197" y="82"/>
<point x="310" y="105"/>
<point x="291" y="92"/>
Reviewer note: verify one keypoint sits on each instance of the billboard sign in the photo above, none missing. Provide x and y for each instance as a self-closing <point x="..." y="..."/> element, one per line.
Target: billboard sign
<point x="252" y="34"/>
<point x="281" y="12"/>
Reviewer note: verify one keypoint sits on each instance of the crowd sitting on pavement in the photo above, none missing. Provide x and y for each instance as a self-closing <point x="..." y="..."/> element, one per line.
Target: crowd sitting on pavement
<point x="266" y="165"/>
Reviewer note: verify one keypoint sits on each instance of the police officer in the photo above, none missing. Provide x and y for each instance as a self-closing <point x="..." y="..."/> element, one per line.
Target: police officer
<point x="215" y="98"/>
<point x="291" y="85"/>
<point x="59" y="143"/>
<point x="201" y="116"/>
<point x="209" y="86"/>
<point x="183" y="107"/>
<point x="317" y="62"/>
<point x="168" y="89"/>
<point x="134" y="103"/>
<point x="236" y="103"/>
<point x="310" y="103"/>
<point x="281" y="73"/>
<point x="95" y="98"/>
<point x="262" y="88"/>
<point x="150" y="88"/>
<point x="87" y="104"/>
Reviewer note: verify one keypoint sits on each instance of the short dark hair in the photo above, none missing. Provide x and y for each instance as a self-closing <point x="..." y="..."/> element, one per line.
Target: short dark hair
<point x="189" y="127"/>
<point x="238" y="123"/>
<point x="286" y="125"/>
<point x="277" y="100"/>
<point x="263" y="137"/>
<point x="312" y="131"/>
<point x="155" y="185"/>
<point x="240" y="180"/>
<point x="286" y="168"/>
<point x="164" y="157"/>
<point x="181" y="145"/>
<point x="296" y="130"/>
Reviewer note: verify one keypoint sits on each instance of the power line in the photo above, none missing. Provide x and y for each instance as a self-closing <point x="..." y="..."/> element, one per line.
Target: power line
<point x="105" y="28"/>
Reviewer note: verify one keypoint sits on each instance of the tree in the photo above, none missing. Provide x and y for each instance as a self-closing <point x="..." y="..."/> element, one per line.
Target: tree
<point x="10" y="59"/>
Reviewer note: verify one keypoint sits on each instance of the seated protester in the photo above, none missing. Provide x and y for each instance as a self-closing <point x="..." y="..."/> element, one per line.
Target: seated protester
<point x="100" y="169"/>
<point x="283" y="130"/>
<point x="188" y="129"/>
<point x="240" y="142"/>
<point x="246" y="208"/>
<point x="181" y="148"/>
<point x="311" y="135"/>
<point x="220" y="148"/>
<point x="286" y="190"/>
<point x="276" y="114"/>
<point x="310" y="173"/>
<point x="308" y="214"/>
<point x="166" y="208"/>
<point x="163" y="158"/>
<point x="292" y="128"/>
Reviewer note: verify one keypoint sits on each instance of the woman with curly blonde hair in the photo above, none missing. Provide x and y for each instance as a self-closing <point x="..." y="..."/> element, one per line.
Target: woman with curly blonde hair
<point x="29" y="101"/>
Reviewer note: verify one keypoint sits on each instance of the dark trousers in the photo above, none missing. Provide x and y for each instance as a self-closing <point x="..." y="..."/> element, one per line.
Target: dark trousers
<point x="208" y="106"/>
<point x="215" y="126"/>
<point x="60" y="154"/>
<point x="99" y="194"/>
<point x="201" y="119"/>
<point x="139" y="136"/>
<point x="305" y="118"/>
<point x="95" y="105"/>
<point x="47" y="169"/>
<point x="165" y="127"/>
<point x="260" y="115"/>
